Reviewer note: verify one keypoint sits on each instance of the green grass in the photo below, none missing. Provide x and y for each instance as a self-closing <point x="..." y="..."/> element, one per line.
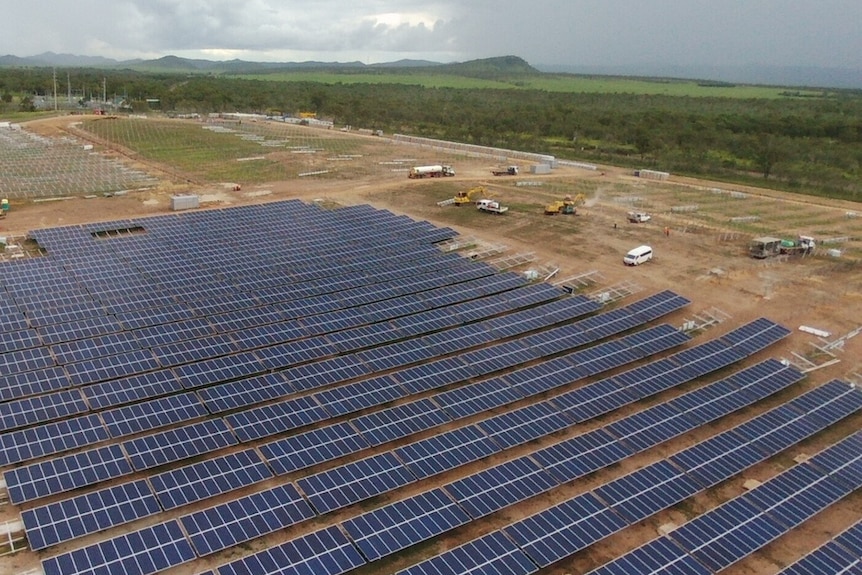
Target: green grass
<point x="545" y="82"/>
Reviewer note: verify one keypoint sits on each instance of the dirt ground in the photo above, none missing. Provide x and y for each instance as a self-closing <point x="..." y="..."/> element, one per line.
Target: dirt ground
<point x="822" y="292"/>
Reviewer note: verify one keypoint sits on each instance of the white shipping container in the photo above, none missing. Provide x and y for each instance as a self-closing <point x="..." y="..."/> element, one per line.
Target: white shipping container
<point x="184" y="202"/>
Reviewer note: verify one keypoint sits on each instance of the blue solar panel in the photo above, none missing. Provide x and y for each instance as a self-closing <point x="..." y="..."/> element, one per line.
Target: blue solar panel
<point x="658" y="557"/>
<point x="246" y="518"/>
<point x="208" y="478"/>
<point x="796" y="494"/>
<point x="218" y="369"/>
<point x="830" y="402"/>
<point x="830" y="558"/>
<point x="727" y="533"/>
<point x="476" y="398"/>
<point x="399" y="525"/>
<point x="360" y="395"/>
<point x="842" y="461"/>
<point x="353" y="482"/>
<point x="33" y="410"/>
<point x="131" y="389"/>
<point x="176" y="444"/>
<point x="446" y="450"/>
<point x="323" y="552"/>
<point x="712" y="461"/>
<point x="65" y="473"/>
<point x="647" y="491"/>
<point x="756" y="335"/>
<point x="141" y="552"/>
<point x="564" y="529"/>
<point x="851" y="539"/>
<point x="50" y="438"/>
<point x="96" y="511"/>
<point x="491" y="554"/>
<point x="244" y="392"/>
<point x="497" y="487"/>
<point x="312" y="447"/>
<point x="32" y="383"/>
<point x="276" y="418"/>
<point x="148" y="415"/>
<point x="386" y="425"/>
<point x="651" y="426"/>
<point x="581" y="455"/>
<point x="592" y="400"/>
<point x="519" y="426"/>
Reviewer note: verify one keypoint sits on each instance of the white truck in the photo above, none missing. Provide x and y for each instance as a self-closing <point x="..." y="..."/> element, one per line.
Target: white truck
<point x="491" y="206"/>
<point x="436" y="171"/>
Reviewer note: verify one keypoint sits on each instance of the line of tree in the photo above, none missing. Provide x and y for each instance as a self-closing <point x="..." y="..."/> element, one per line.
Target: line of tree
<point x="810" y="145"/>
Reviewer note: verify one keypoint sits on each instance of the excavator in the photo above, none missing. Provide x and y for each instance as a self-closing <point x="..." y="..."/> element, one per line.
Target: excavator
<point x="568" y="205"/>
<point x="470" y="196"/>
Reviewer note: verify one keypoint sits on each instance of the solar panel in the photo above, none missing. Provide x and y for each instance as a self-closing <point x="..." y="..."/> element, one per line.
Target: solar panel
<point x="218" y="369"/>
<point x="244" y="392"/>
<point x="111" y="367"/>
<point x="96" y="511"/>
<point x="564" y="529"/>
<point x="651" y="426"/>
<point x="658" y="557"/>
<point x="727" y="533"/>
<point x="581" y="455"/>
<point x="446" y="450"/>
<point x="323" y="552"/>
<point x="360" y="395"/>
<point x="33" y="410"/>
<point x="353" y="482"/>
<point x="476" y="398"/>
<point x="153" y="414"/>
<point x="246" y="518"/>
<point x="276" y="418"/>
<point x="141" y="552"/>
<point x="386" y="425"/>
<point x="647" y="491"/>
<point x="399" y="525"/>
<point x="312" y="447"/>
<point x="796" y="495"/>
<point x="497" y="487"/>
<point x="128" y="390"/>
<point x="851" y="539"/>
<point x="594" y="399"/>
<point x="842" y="461"/>
<point x="830" y="558"/>
<point x="208" y="478"/>
<point x="65" y="473"/>
<point x="32" y="383"/>
<point x="492" y="554"/>
<point x="180" y="443"/>
<point x="519" y="426"/>
<point x="50" y="438"/>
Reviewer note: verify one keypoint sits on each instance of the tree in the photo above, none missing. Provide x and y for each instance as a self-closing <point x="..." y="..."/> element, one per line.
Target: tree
<point x="27" y="105"/>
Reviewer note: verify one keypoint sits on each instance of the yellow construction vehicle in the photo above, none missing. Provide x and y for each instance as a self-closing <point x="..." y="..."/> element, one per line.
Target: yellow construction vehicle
<point x="568" y="205"/>
<point x="471" y="196"/>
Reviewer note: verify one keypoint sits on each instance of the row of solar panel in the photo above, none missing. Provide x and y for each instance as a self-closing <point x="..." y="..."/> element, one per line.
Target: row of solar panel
<point x="419" y="518"/>
<point x="283" y="221"/>
<point x="723" y="536"/>
<point x="186" y="481"/>
<point x="284" y="304"/>
<point x="574" y="525"/>
<point x="667" y="335"/>
<point x="52" y="378"/>
<point x="841" y="554"/>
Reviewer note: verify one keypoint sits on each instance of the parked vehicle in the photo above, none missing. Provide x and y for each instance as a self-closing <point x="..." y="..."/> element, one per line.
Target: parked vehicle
<point x="638" y="217"/>
<point x="509" y="171"/>
<point x="638" y="256"/>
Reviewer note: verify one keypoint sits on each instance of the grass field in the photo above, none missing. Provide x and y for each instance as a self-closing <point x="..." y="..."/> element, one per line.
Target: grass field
<point x="546" y="82"/>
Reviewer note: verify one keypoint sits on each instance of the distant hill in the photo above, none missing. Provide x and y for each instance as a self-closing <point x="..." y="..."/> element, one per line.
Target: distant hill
<point x="503" y="66"/>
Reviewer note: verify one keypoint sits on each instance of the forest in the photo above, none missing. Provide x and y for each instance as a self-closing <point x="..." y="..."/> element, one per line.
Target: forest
<point x="804" y="141"/>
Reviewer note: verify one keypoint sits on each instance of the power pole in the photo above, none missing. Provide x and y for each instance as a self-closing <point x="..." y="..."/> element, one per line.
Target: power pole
<point x="104" y="89"/>
<point x="55" y="89"/>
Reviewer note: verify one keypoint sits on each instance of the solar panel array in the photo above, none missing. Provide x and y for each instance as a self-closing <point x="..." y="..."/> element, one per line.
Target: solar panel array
<point x="180" y="368"/>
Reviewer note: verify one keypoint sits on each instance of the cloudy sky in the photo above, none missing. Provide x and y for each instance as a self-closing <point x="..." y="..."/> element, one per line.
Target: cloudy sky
<point x="543" y="32"/>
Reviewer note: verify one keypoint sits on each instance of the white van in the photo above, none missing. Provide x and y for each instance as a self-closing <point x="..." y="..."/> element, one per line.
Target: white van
<point x="638" y="256"/>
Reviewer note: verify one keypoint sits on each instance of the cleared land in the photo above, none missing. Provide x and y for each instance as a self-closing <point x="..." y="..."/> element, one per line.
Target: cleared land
<point x="703" y="258"/>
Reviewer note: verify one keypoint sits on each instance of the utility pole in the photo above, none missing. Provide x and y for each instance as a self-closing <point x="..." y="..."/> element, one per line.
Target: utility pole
<point x="68" y="88"/>
<point x="104" y="89"/>
<point x="55" y="89"/>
